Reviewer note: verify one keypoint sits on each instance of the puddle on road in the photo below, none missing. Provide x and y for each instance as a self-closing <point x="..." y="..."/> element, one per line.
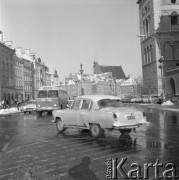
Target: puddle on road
<point x="162" y="131"/>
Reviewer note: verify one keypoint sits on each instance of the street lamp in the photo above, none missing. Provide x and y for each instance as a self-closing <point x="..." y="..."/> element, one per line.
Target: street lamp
<point x="161" y="61"/>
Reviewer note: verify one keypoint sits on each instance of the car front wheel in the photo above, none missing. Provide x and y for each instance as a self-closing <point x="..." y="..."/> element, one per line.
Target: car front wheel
<point x="96" y="130"/>
<point x="60" y="126"/>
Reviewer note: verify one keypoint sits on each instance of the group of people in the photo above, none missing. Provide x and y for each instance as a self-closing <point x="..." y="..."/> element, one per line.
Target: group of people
<point x="5" y="104"/>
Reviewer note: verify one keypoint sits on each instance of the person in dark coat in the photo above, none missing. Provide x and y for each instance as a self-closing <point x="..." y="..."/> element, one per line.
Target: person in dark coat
<point x="82" y="171"/>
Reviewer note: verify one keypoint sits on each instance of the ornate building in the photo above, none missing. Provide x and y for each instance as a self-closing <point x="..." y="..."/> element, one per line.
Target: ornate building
<point x="7" y="85"/>
<point x="159" y="32"/>
<point x="34" y="68"/>
<point x="18" y="71"/>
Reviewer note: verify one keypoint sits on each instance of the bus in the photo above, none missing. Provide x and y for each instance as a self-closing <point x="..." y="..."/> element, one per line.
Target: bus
<point x="51" y="98"/>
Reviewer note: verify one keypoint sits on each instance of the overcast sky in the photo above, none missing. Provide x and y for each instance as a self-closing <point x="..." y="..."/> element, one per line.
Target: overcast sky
<point x="65" y="33"/>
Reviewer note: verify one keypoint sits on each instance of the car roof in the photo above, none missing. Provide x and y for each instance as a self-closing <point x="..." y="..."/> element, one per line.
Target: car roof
<point x="98" y="97"/>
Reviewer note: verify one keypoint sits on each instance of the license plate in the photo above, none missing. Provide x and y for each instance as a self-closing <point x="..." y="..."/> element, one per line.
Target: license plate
<point x="130" y="117"/>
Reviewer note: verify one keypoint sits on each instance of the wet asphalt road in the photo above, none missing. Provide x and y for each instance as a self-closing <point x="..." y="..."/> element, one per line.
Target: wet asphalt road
<point x="31" y="142"/>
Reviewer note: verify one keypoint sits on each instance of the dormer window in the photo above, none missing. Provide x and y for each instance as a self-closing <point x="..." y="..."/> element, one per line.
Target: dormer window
<point x="173" y="1"/>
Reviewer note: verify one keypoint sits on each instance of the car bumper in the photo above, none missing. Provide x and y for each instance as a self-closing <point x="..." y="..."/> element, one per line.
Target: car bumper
<point x="118" y="126"/>
<point x="127" y="126"/>
<point x="47" y="108"/>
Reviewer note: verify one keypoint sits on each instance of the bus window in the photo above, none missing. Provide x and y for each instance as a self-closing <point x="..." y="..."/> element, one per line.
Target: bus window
<point x="52" y="94"/>
<point x="42" y="94"/>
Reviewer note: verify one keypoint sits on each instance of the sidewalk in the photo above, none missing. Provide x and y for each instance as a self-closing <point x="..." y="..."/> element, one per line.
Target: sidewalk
<point x="174" y="108"/>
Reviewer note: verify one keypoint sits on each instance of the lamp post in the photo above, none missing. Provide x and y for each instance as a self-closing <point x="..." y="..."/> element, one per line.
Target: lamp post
<point x="161" y="61"/>
<point x="115" y="86"/>
<point x="81" y="72"/>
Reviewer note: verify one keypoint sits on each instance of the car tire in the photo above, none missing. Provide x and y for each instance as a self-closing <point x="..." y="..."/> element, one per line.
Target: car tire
<point x="60" y="126"/>
<point x="96" y="130"/>
<point x="125" y="131"/>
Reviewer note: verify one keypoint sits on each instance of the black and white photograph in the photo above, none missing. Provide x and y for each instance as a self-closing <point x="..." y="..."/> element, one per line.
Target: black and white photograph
<point x="89" y="89"/>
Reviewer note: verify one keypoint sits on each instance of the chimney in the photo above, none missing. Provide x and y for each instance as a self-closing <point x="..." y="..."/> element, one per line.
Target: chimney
<point x="32" y="55"/>
<point x="8" y="43"/>
<point x="1" y="33"/>
<point x="27" y="51"/>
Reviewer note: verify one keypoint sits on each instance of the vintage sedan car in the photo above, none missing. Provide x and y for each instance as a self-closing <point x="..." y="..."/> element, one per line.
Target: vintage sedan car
<point x="29" y="106"/>
<point x="98" y="113"/>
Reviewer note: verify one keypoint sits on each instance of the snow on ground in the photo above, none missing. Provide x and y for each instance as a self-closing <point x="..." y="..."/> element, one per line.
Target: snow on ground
<point x="167" y="103"/>
<point x="8" y="111"/>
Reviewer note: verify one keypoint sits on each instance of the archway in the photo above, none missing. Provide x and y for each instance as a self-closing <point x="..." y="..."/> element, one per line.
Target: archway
<point x="172" y="84"/>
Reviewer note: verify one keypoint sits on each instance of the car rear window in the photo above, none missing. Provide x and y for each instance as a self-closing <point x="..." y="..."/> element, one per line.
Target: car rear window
<point x="110" y="103"/>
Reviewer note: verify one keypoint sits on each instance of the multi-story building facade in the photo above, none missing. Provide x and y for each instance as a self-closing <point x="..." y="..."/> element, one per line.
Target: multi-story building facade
<point x="159" y="32"/>
<point x="7" y="85"/>
<point x="78" y="88"/>
<point x="129" y="88"/>
<point x="35" y="68"/>
<point x="48" y="77"/>
<point x="39" y="75"/>
<point x="18" y="69"/>
<point x="28" y="71"/>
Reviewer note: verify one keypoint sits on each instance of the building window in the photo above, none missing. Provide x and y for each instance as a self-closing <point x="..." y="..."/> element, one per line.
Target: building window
<point x="174" y="20"/>
<point x="176" y="49"/>
<point x="151" y="53"/>
<point x="148" y="55"/>
<point x="173" y="1"/>
<point x="145" y="56"/>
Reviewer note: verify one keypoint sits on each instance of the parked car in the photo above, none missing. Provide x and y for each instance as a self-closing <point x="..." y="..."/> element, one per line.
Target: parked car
<point x="98" y="113"/>
<point x="145" y="99"/>
<point x="29" y="106"/>
<point x="126" y="100"/>
<point x="155" y="99"/>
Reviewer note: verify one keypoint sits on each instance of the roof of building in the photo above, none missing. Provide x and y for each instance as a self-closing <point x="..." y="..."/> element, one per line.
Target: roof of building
<point x="21" y="53"/>
<point x="117" y="71"/>
<point x="129" y="82"/>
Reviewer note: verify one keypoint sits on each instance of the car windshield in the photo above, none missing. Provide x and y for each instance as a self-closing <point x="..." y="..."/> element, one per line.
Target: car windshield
<point x="110" y="103"/>
<point x="42" y="94"/>
<point x="52" y="94"/>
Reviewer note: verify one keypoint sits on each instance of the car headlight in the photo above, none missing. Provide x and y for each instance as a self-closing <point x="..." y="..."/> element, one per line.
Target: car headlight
<point x="55" y="105"/>
<point x="39" y="105"/>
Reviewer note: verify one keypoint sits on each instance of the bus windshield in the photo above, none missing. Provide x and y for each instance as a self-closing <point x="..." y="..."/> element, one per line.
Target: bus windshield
<point x="42" y="94"/>
<point x="52" y="94"/>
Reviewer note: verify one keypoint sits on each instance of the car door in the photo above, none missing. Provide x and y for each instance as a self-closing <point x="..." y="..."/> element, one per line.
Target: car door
<point x="84" y="114"/>
<point x="72" y="115"/>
